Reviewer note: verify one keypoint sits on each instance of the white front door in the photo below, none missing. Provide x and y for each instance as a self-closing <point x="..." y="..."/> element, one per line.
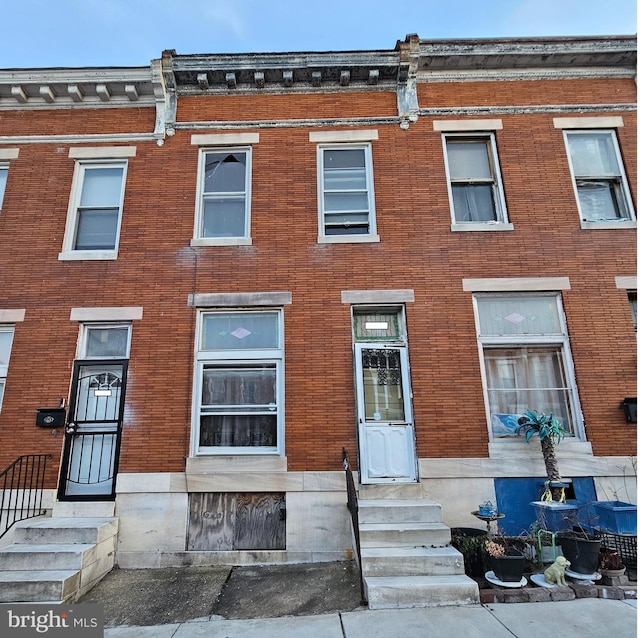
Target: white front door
<point x="385" y="419"/>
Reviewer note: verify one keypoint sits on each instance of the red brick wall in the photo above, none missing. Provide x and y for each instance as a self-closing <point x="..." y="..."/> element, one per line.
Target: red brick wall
<point x="157" y="269"/>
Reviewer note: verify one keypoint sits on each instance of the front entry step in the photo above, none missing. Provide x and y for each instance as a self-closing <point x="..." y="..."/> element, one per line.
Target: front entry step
<point x="406" y="555"/>
<point x="56" y="559"/>
<point x="420" y="591"/>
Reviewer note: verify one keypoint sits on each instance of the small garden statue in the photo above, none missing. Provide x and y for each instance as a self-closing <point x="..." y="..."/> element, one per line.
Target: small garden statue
<point x="554" y="574"/>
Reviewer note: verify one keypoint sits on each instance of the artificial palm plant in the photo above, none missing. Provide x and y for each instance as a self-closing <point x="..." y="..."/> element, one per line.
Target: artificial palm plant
<point x="550" y="432"/>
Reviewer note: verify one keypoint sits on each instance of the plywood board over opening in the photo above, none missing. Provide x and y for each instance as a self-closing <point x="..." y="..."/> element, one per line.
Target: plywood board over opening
<point x="236" y="521"/>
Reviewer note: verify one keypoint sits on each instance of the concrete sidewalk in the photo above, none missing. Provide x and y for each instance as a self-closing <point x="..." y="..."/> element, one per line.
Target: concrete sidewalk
<point x="582" y="618"/>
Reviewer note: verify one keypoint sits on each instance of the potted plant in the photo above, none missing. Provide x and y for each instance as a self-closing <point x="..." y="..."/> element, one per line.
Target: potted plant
<point x="550" y="432"/>
<point x="611" y="564"/>
<point x="581" y="549"/>
<point x="470" y="543"/>
<point x="506" y="562"/>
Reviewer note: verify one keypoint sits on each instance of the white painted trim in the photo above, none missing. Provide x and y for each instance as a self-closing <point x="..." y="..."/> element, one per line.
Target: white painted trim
<point x="611" y="225"/>
<point x="13" y="315"/>
<point x="515" y="284"/>
<point x="627" y="282"/>
<point x="221" y="241"/>
<point x="224" y="139"/>
<point x="481" y="226"/>
<point x="588" y="122"/>
<point x="349" y="239"/>
<point x="9" y="153"/>
<point x="238" y="299"/>
<point x="467" y="125"/>
<point x="377" y="296"/>
<point x="124" y="313"/>
<point x="101" y="152"/>
<point x="344" y="136"/>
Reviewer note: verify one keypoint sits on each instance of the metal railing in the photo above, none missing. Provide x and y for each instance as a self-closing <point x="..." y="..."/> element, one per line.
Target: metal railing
<point x="21" y="486"/>
<point x="352" y="506"/>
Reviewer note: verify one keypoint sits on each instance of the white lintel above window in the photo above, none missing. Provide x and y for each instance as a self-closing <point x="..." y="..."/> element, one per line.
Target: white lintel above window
<point x="467" y="125"/>
<point x="324" y="137"/>
<point x="124" y="313"/>
<point x="238" y="299"/>
<point x="516" y="284"/>
<point x="101" y="152"/>
<point x="588" y="122"/>
<point x="224" y="139"/>
<point x="12" y="315"/>
<point x="7" y="154"/>
<point x="377" y="296"/>
<point x="622" y="282"/>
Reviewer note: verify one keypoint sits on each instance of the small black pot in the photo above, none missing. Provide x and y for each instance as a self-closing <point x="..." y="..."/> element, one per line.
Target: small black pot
<point x="508" y="569"/>
<point x="582" y="553"/>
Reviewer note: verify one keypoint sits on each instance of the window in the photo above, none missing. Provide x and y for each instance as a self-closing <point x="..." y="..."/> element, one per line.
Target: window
<point x="223" y="213"/>
<point x="527" y="363"/>
<point x="4" y="172"/>
<point x="475" y="190"/>
<point x="633" y="306"/>
<point x="104" y="341"/>
<point x="95" y="211"/>
<point x="239" y="403"/>
<point x="601" y="187"/>
<point x="346" y="199"/>
<point x="6" y="339"/>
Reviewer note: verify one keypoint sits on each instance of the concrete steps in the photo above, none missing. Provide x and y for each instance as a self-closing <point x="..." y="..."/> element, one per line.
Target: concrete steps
<point x="56" y="558"/>
<point x="406" y="556"/>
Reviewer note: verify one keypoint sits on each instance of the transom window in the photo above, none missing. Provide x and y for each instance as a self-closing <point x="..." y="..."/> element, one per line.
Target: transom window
<point x="95" y="210"/>
<point x="601" y="187"/>
<point x="475" y="188"/>
<point x="105" y="341"/>
<point x="224" y="200"/>
<point x="239" y="389"/>
<point x="6" y="340"/>
<point x="527" y="362"/>
<point x="346" y="198"/>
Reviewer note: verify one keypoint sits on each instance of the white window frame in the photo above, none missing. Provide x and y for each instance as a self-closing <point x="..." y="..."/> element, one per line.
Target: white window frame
<point x="502" y="221"/>
<point x="560" y="340"/>
<point x="624" y="222"/>
<point x="370" y="236"/>
<point x="69" y="252"/>
<point x="4" y="369"/>
<point x="83" y="340"/>
<point x="245" y="239"/>
<point x="240" y="358"/>
<point x="4" y="168"/>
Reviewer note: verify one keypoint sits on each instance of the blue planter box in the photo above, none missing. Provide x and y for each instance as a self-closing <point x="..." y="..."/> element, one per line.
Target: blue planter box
<point x="554" y="516"/>
<point x="617" y="517"/>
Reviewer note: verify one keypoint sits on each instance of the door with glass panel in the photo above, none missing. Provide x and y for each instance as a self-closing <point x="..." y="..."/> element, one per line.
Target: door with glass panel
<point x="94" y="425"/>
<point x="385" y="420"/>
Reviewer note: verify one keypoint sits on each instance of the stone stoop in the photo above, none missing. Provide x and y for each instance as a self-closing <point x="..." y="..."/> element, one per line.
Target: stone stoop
<point x="57" y="559"/>
<point x="407" y="558"/>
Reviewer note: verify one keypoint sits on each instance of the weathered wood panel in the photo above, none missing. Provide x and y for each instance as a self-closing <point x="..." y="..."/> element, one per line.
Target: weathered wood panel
<point x="211" y="522"/>
<point x="258" y="521"/>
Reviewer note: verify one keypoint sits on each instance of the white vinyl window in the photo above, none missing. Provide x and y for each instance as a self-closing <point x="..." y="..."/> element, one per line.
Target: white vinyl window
<point x="224" y="200"/>
<point x="475" y="186"/>
<point x="105" y="341"/>
<point x="4" y="172"/>
<point x="345" y="192"/>
<point x="601" y="187"/>
<point x="95" y="210"/>
<point x="6" y="340"/>
<point x="239" y="383"/>
<point x="527" y="363"/>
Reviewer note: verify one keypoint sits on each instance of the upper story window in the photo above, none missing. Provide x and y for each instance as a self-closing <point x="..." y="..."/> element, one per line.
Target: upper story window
<point x="6" y="339"/>
<point x="600" y="184"/>
<point x="475" y="186"/>
<point x="4" y="172"/>
<point x="224" y="199"/>
<point x="105" y="341"/>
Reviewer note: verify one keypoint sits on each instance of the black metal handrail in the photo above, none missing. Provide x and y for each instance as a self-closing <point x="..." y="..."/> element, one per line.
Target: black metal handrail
<point x="352" y="506"/>
<point x="21" y="486"/>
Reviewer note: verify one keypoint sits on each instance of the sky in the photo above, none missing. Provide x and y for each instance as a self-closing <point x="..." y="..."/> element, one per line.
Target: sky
<point x="86" y="33"/>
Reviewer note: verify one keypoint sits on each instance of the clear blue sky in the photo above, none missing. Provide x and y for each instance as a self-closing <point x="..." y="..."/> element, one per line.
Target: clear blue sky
<point x="77" y="33"/>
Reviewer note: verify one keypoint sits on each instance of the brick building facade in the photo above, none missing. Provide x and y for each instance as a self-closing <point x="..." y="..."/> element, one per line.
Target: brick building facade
<point x="231" y="267"/>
